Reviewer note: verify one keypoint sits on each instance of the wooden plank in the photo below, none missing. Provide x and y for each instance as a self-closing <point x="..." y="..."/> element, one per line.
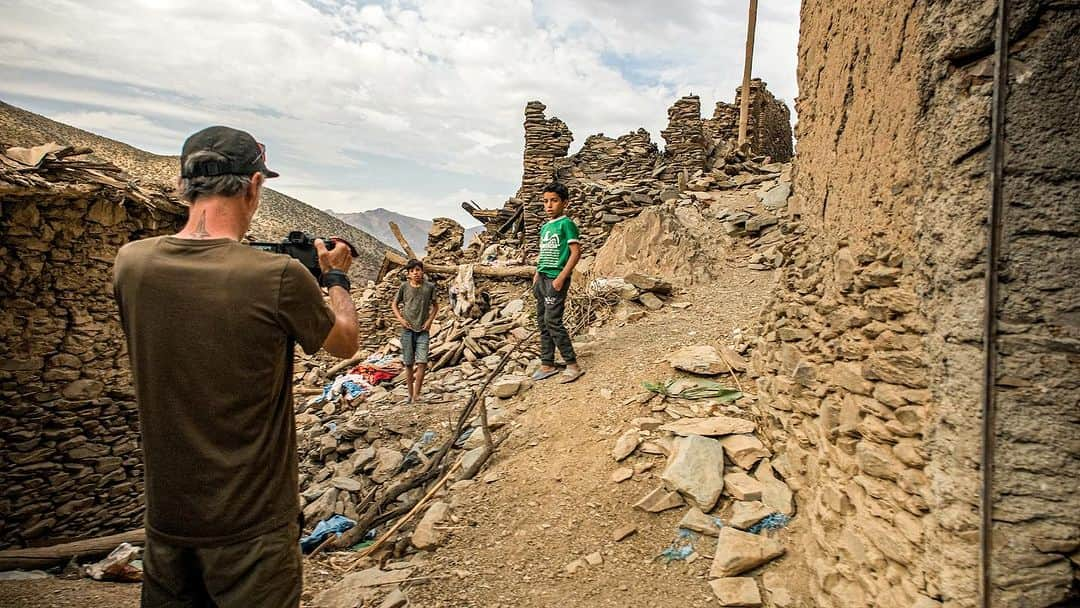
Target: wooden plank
<point x="44" y="557"/>
<point x="401" y="241"/>
<point x="504" y="272"/>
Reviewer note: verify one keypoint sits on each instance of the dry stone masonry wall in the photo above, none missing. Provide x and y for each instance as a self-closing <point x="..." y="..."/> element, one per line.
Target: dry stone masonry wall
<point x="768" y="127"/>
<point x="70" y="464"/>
<point x="870" y="356"/>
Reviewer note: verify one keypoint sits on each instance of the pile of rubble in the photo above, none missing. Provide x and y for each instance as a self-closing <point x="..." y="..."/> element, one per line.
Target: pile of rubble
<point x="715" y="466"/>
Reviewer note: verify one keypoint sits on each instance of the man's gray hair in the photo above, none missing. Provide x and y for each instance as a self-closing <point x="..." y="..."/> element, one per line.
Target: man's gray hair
<point x="191" y="188"/>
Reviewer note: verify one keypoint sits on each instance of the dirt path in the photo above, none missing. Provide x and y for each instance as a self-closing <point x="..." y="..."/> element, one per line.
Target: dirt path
<point x="554" y="501"/>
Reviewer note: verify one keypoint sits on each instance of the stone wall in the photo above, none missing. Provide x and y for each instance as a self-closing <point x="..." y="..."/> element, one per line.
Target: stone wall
<point x="545" y="140"/>
<point x="870" y="356"/>
<point x="768" y="126"/>
<point x="70" y="464"/>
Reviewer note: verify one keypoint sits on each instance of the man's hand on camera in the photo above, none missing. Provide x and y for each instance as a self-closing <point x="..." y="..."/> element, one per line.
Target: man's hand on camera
<point x="338" y="258"/>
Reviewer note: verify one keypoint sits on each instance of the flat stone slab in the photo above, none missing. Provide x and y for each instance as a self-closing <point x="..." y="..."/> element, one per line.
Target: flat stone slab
<point x="738" y="552"/>
<point x="741" y="486"/>
<point x="742" y="514"/>
<point x="621" y="474"/>
<point x="744" y="450"/>
<point x="713" y="426"/>
<point x="736" y="591"/>
<point x="625" y="444"/>
<point x="774" y="492"/>
<point x="659" y="500"/>
<point x="700" y="522"/>
<point x="359" y="586"/>
<point x="696" y="469"/>
<point x="700" y="359"/>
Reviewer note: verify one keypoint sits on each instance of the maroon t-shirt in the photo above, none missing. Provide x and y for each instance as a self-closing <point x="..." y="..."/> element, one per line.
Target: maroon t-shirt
<point x="210" y="329"/>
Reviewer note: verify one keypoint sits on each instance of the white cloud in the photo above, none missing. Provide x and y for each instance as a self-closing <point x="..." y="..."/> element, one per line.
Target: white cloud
<point x="439" y="83"/>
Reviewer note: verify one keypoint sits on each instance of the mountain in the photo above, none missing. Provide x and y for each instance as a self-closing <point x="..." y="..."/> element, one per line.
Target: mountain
<point x="415" y="230"/>
<point x="277" y="214"/>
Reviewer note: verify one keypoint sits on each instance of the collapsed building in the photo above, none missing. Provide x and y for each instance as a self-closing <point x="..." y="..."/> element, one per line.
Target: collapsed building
<point x="612" y="179"/>
<point x="69" y="457"/>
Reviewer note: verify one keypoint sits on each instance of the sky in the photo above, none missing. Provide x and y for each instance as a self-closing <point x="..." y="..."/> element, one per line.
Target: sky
<point x="411" y="105"/>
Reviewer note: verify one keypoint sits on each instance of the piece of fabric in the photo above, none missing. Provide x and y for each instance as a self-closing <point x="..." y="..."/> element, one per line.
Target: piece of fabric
<point x="555" y="238"/>
<point x="264" y="571"/>
<point x="550" y="305"/>
<point x="414" y="347"/>
<point x="415" y="303"/>
<point x="211" y="327"/>
<point x="335" y="524"/>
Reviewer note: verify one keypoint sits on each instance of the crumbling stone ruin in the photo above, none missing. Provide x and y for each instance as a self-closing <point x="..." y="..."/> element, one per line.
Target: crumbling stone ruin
<point x="613" y="179"/>
<point x="70" y="460"/>
<point x="870" y="358"/>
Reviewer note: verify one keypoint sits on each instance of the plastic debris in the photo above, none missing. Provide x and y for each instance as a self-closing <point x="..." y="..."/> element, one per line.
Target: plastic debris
<point x="693" y="389"/>
<point x="680" y="548"/>
<point x="335" y="524"/>
<point x="464" y="436"/>
<point x="774" y="521"/>
<point x="120" y="565"/>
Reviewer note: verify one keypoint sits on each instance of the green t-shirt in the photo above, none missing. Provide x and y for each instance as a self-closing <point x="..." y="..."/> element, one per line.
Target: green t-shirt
<point x="555" y="239"/>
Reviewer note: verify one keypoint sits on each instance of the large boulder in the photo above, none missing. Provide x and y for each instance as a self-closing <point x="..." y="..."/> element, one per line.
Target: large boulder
<point x="696" y="470"/>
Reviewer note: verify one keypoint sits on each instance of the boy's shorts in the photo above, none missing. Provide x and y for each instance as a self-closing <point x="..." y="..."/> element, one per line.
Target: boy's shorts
<point x="414" y="347"/>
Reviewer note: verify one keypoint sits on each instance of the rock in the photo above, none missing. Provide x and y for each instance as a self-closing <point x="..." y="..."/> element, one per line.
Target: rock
<point x="388" y="462"/>
<point x="346" y="483"/>
<point x="507" y="386"/>
<point x="23" y="575"/>
<point x="774" y="493"/>
<point x="83" y="389"/>
<point x="738" y="552"/>
<point x="700" y="359"/>
<point x="425" y="536"/>
<point x="656" y="448"/>
<point x="741" y="486"/>
<point x="736" y="591"/>
<point x="743" y="514"/>
<point x="659" y="500"/>
<point x="650" y="301"/>
<point x="594" y="559"/>
<point x="470" y="462"/>
<point x="713" y="426"/>
<point x="395" y="599"/>
<point x="512" y="308"/>
<point x="744" y="450"/>
<point x="623" y="532"/>
<point x="699" y="522"/>
<point x="696" y="469"/>
<point x="733" y="358"/>
<point x="760" y="222"/>
<point x="647" y="424"/>
<point x="626" y="444"/>
<point x="575" y="565"/>
<point x="776" y="197"/>
<point x="778" y="595"/>
<point x="358" y="587"/>
<point x="606" y="393"/>
<point x="649" y="283"/>
<point x="877" y="461"/>
<point x="621" y="474"/>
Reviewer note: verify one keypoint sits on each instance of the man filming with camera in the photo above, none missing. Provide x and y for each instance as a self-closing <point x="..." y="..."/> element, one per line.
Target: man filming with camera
<point x="211" y="326"/>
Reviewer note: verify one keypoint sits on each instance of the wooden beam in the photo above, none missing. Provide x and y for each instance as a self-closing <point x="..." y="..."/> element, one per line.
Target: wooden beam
<point x="401" y="241"/>
<point x="44" y="557"/>
<point x="504" y="272"/>
<point x="744" y="110"/>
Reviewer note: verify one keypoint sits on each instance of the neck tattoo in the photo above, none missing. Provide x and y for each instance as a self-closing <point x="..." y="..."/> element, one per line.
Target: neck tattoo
<point x="200" y="228"/>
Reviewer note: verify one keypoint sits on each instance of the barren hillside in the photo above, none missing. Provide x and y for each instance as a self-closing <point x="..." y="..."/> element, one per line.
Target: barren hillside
<point x="376" y="222"/>
<point x="277" y="215"/>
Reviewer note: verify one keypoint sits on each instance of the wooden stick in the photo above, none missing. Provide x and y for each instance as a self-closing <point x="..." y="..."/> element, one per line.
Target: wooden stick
<point x="401" y="241"/>
<point x="43" y="557"/>
<point x="340" y="365"/>
<point x="732" y="370"/>
<point x="748" y="61"/>
<point x="408" y="516"/>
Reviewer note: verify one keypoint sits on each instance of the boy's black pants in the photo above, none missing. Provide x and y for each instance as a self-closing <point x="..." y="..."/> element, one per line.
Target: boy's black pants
<point x="550" y="305"/>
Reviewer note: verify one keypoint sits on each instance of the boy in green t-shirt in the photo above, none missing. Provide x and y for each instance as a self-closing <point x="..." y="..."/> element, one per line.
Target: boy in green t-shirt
<point x="560" y="251"/>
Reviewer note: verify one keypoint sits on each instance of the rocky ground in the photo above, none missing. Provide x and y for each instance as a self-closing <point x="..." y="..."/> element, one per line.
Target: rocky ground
<point x="551" y="519"/>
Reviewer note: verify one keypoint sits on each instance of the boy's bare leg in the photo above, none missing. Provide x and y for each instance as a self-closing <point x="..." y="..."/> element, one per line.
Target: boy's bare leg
<point x="418" y="380"/>
<point x="409" y="381"/>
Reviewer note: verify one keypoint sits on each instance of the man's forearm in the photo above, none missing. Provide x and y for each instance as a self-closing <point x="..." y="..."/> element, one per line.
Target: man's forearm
<point x="344" y="336"/>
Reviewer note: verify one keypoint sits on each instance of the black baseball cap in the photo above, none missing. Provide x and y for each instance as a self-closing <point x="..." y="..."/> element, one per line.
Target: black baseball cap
<point x="223" y="151"/>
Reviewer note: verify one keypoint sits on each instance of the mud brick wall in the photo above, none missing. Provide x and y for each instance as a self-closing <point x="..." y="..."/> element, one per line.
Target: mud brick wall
<point x="70" y="464"/>
<point x="870" y="356"/>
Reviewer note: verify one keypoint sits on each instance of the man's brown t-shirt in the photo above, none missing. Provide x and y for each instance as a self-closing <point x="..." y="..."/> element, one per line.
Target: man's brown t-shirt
<point x="210" y="329"/>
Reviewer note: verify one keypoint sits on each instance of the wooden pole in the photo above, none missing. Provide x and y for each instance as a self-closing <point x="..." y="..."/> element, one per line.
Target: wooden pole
<point x="401" y="241"/>
<point x="520" y="272"/>
<point x="44" y="557"/>
<point x="744" y="110"/>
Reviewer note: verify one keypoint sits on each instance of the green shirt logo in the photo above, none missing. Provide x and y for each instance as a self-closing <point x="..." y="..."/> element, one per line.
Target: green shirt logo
<point x="555" y="239"/>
